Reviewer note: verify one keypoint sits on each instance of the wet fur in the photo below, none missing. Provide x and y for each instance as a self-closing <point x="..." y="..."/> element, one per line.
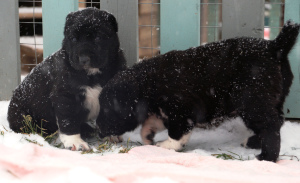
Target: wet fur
<point x="62" y="91"/>
<point x="244" y="77"/>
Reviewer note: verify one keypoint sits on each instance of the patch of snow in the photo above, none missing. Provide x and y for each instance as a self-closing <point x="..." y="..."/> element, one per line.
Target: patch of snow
<point x="21" y="160"/>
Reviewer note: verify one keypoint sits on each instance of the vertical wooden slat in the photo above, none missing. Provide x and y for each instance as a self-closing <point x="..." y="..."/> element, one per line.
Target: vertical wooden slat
<point x="292" y="104"/>
<point x="126" y="12"/>
<point x="180" y="24"/>
<point x="242" y="18"/>
<point x="54" y="17"/>
<point x="82" y="4"/>
<point x="9" y="48"/>
<point x="110" y="6"/>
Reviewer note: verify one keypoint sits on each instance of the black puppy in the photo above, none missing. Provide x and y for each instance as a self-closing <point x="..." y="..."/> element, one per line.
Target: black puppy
<point x="247" y="77"/>
<point x="62" y="92"/>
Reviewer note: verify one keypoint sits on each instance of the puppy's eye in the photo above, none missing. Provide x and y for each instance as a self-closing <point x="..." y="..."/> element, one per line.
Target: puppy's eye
<point x="74" y="39"/>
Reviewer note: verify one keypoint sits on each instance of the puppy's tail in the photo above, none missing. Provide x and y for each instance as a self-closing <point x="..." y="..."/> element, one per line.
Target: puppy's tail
<point x="287" y="37"/>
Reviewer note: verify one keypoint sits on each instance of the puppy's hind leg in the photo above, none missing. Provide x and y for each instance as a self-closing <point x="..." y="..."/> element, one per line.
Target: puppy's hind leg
<point x="253" y="142"/>
<point x="268" y="137"/>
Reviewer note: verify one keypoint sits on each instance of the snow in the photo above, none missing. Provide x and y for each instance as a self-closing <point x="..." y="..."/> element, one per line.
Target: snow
<point x="23" y="161"/>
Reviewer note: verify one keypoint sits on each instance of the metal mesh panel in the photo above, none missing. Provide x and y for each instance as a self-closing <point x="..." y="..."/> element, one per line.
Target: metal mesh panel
<point x="274" y="18"/>
<point x="149" y="28"/>
<point x="211" y="21"/>
<point x="89" y="3"/>
<point x="31" y="41"/>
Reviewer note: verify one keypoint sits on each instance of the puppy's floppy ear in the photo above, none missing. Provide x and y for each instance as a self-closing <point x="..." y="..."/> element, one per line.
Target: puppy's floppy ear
<point x="69" y="16"/>
<point x="69" y="21"/>
<point x="113" y="22"/>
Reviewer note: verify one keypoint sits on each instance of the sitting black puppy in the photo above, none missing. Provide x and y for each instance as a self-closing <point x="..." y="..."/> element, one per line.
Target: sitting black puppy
<point x="244" y="77"/>
<point x="62" y="92"/>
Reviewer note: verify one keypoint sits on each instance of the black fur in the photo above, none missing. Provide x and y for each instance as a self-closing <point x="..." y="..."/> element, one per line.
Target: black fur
<point x="247" y="77"/>
<point x="54" y="90"/>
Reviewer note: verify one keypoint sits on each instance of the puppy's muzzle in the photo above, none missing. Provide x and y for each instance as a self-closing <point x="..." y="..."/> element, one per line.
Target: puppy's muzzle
<point x="84" y="60"/>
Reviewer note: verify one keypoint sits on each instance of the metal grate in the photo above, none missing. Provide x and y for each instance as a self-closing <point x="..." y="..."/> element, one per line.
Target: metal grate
<point x="89" y="3"/>
<point x="31" y="41"/>
<point x="211" y="21"/>
<point x="149" y="28"/>
<point x="274" y="18"/>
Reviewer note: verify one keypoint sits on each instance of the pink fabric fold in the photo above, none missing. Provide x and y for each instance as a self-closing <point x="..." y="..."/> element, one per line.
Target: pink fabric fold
<point x="142" y="164"/>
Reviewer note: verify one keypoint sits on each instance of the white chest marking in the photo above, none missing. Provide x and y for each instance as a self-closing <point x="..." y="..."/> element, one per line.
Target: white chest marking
<point x="92" y="101"/>
<point x="93" y="71"/>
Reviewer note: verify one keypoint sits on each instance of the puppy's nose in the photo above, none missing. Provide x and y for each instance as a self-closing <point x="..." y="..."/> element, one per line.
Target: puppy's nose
<point x="83" y="60"/>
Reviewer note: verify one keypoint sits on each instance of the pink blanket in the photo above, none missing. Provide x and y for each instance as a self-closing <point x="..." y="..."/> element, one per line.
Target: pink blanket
<point x="33" y="163"/>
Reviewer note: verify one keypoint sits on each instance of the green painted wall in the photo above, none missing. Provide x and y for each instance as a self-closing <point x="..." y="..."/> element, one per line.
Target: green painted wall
<point x="292" y="104"/>
<point x="54" y="16"/>
<point x="180" y="24"/>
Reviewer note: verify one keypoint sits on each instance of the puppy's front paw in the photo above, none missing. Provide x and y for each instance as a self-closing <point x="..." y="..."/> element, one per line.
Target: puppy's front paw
<point x="114" y="139"/>
<point x="74" y="142"/>
<point x="170" y="144"/>
<point x="175" y="144"/>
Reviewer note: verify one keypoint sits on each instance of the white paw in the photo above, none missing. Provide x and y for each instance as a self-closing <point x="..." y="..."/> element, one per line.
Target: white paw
<point x="170" y="144"/>
<point x="114" y="139"/>
<point x="73" y="142"/>
<point x="175" y="144"/>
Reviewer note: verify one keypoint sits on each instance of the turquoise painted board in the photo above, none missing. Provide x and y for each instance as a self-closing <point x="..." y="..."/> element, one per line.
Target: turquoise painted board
<point x="180" y="24"/>
<point x="292" y="104"/>
<point x="54" y="16"/>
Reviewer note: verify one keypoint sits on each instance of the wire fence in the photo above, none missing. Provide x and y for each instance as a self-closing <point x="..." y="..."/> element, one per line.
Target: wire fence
<point x="31" y="40"/>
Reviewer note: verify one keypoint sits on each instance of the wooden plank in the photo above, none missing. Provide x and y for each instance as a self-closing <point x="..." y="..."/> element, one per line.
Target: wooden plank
<point x="110" y="6"/>
<point x="82" y="3"/>
<point x="54" y="16"/>
<point x="29" y="13"/>
<point x="180" y="24"/>
<point x="9" y="48"/>
<point x="237" y="16"/>
<point x="128" y="29"/>
<point x="292" y="103"/>
<point x="126" y="13"/>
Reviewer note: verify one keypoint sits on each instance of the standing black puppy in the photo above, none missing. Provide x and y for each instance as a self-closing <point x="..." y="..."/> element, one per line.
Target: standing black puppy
<point x="62" y="92"/>
<point x="247" y="77"/>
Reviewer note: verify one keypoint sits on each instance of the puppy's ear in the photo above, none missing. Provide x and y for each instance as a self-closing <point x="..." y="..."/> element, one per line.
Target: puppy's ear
<point x="69" y="18"/>
<point x="69" y="21"/>
<point x="113" y="22"/>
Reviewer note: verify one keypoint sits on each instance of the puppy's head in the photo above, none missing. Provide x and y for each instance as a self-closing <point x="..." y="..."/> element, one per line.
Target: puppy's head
<point x="119" y="102"/>
<point x="90" y="39"/>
